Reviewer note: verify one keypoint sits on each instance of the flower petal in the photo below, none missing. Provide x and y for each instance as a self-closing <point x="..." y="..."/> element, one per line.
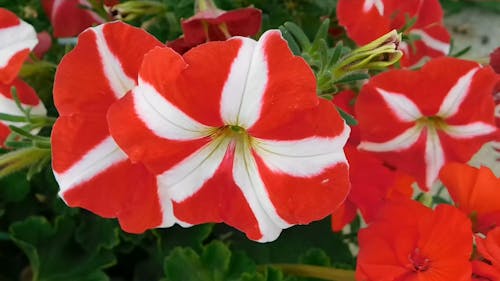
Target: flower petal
<point x="469" y="130"/>
<point x="402" y="106"/>
<point x="434" y="157"/>
<point x="454" y="98"/>
<point x="400" y="142"/>
<point x="17" y="39"/>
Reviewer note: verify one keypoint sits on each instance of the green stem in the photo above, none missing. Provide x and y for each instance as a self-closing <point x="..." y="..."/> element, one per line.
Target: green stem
<point x="313" y="271"/>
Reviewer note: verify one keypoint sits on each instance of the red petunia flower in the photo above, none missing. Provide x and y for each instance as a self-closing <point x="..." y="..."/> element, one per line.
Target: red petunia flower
<point x="17" y="39"/>
<point x="213" y="24"/>
<point x="366" y="20"/>
<point x="475" y="192"/>
<point x="28" y="99"/>
<point x="237" y="135"/>
<point x="70" y="17"/>
<point x="488" y="267"/>
<point x="412" y="242"/>
<point x="372" y="185"/>
<point x="417" y="121"/>
<point x="92" y="171"/>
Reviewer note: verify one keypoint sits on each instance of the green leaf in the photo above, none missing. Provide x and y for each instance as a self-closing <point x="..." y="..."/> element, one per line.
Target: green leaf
<point x="352" y="78"/>
<point x="54" y="254"/>
<point x="349" y="119"/>
<point x="95" y="233"/>
<point x="215" y="263"/>
<point x="292" y="44"/>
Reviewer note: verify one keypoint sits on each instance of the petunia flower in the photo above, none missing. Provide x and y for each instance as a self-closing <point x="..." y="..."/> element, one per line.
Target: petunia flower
<point x="417" y="121"/>
<point x="487" y="268"/>
<point x="213" y="24"/>
<point x="17" y="39"/>
<point x="412" y="242"/>
<point x="70" y="17"/>
<point x="27" y="98"/>
<point x="92" y="171"/>
<point x="366" y="20"/>
<point x="236" y="133"/>
<point x="475" y="192"/>
<point x="373" y="184"/>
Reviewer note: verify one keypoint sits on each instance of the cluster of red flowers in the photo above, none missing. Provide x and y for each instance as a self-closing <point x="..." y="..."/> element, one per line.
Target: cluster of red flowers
<point x="233" y="131"/>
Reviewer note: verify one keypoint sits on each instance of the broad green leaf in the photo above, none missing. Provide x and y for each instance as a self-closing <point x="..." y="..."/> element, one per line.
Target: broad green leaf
<point x="53" y="253"/>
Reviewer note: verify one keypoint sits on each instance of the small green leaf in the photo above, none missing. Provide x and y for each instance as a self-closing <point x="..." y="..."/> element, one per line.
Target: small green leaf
<point x="95" y="233"/>
<point x="299" y="35"/>
<point x="14" y="187"/>
<point x="352" y="78"/>
<point x="349" y="119"/>
<point x="292" y="44"/>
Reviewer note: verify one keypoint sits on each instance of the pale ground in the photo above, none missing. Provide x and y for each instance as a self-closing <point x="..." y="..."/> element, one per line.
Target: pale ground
<point x="481" y="30"/>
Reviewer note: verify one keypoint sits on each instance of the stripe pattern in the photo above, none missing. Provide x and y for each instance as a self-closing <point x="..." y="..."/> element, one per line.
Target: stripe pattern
<point x="17" y="39"/>
<point x="209" y="128"/>
<point x="430" y="125"/>
<point x="92" y="171"/>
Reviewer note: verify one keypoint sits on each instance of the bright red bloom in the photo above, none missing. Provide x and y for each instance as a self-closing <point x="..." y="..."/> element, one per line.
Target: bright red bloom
<point x="417" y="121"/>
<point x="92" y="171"/>
<point x="213" y="24"/>
<point x="70" y="17"/>
<point x="17" y="39"/>
<point x="237" y="135"/>
<point x="495" y="60"/>
<point x="28" y="99"/>
<point x="488" y="267"/>
<point x="44" y="44"/>
<point x="412" y="242"/>
<point x="475" y="192"/>
<point x="372" y="185"/>
<point x="366" y="20"/>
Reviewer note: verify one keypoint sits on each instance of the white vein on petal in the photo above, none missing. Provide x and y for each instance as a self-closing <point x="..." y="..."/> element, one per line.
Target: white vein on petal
<point x="431" y="42"/>
<point x="163" y="118"/>
<point x="303" y="158"/>
<point x="119" y="81"/>
<point x="94" y="162"/>
<point x="379" y="5"/>
<point x="244" y="90"/>
<point x="404" y="108"/>
<point x="188" y="176"/>
<point x="454" y="98"/>
<point x="14" y="39"/>
<point x="434" y="156"/>
<point x="470" y="130"/>
<point x="398" y="143"/>
<point x="248" y="179"/>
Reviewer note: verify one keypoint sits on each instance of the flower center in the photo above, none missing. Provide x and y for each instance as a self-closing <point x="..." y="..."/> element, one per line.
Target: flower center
<point x="234" y="132"/>
<point x="435" y="122"/>
<point x="419" y="262"/>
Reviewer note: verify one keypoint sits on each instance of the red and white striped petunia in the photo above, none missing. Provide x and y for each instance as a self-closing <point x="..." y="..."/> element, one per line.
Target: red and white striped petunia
<point x="419" y="120"/>
<point x="28" y="99"/>
<point x="92" y="171"/>
<point x="366" y="20"/>
<point x="70" y="17"/>
<point x="17" y="39"/>
<point x="236" y="133"/>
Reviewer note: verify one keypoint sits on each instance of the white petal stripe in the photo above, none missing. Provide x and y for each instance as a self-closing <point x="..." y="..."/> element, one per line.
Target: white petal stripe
<point x="400" y="142"/>
<point x="431" y="42"/>
<point x="241" y="103"/>
<point x="187" y="177"/>
<point x="247" y="177"/>
<point x="470" y="130"/>
<point x="163" y="118"/>
<point x="379" y="5"/>
<point x="94" y="162"/>
<point x="456" y="95"/>
<point x="434" y="157"/>
<point x="400" y="105"/>
<point x="14" y="39"/>
<point x="303" y="158"/>
<point x="119" y="82"/>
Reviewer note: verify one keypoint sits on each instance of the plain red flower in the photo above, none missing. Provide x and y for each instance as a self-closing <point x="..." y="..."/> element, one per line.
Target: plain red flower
<point x="70" y="17"/>
<point x="366" y="20"/>
<point x="213" y="24"/>
<point x="17" y="39"/>
<point x="487" y="266"/>
<point x="373" y="184"/>
<point x="417" y="121"/>
<point x="237" y="134"/>
<point x="475" y="192"/>
<point x="92" y="171"/>
<point x="411" y="242"/>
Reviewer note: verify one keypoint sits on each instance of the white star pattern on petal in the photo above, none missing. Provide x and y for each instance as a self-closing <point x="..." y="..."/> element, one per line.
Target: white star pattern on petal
<point x="379" y="5"/>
